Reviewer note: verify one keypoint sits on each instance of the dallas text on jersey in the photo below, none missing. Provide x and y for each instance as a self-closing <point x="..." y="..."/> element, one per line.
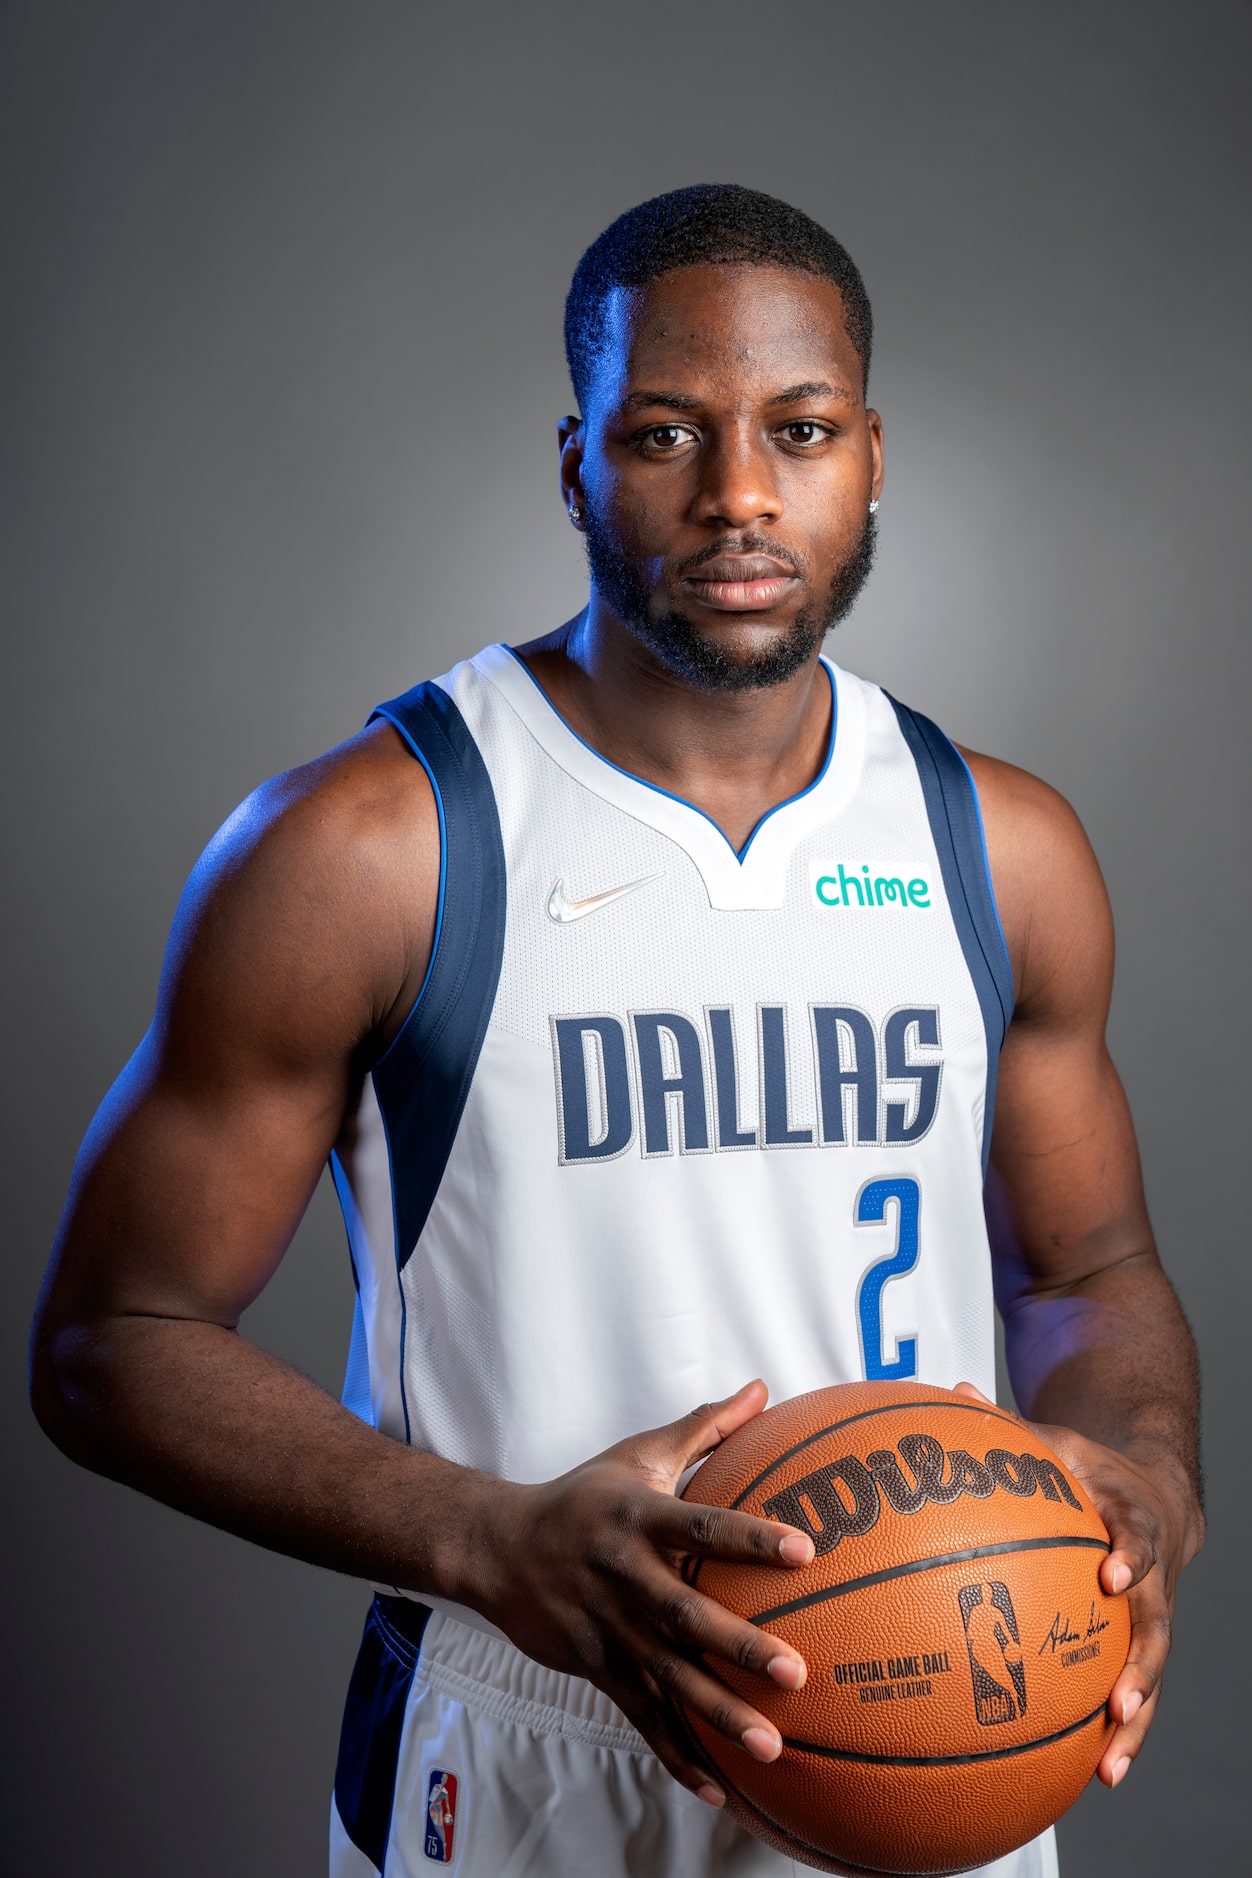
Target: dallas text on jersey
<point x="874" y="1087"/>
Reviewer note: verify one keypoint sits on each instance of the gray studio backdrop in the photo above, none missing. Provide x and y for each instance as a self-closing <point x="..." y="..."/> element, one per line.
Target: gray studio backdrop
<point x="282" y="368"/>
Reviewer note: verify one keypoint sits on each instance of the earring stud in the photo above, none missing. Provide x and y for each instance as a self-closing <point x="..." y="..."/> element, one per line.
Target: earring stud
<point x="873" y="507"/>
<point x="575" y="513"/>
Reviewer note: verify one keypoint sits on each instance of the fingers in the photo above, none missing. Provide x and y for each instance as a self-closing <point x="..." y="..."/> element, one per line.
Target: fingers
<point x="662" y="1689"/>
<point x="690" y="1527"/>
<point x="1115" y="1763"/>
<point x="667" y="1667"/>
<point x="1134" y="1696"/>
<point x="671" y="1450"/>
<point x="1124" y="1499"/>
<point x="972" y="1393"/>
<point x="655" y="1673"/>
<point x="734" y="1411"/>
<point x="702" y="1627"/>
<point x="1133" y="1539"/>
<point x="662" y="1729"/>
<point x="700" y="1694"/>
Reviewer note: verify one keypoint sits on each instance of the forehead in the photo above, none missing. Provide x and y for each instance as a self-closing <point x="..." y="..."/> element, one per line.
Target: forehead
<point x="726" y="332"/>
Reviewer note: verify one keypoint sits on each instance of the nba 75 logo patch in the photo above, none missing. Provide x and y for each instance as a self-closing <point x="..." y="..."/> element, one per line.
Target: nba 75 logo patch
<point x="440" y="1816"/>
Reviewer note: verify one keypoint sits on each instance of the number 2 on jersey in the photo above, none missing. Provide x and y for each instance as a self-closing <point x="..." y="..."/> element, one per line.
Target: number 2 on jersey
<point x="871" y="1209"/>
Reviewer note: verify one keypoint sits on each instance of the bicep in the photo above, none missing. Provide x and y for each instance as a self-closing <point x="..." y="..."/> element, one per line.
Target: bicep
<point x="186" y="1194"/>
<point x="292" y="948"/>
<point x="1064" y="1149"/>
<point x="1063" y="1143"/>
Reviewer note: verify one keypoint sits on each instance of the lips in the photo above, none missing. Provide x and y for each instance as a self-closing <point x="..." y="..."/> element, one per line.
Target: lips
<point x="740" y="583"/>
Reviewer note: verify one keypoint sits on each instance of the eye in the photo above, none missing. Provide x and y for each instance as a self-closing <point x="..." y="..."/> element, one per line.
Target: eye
<point x="665" y="439"/>
<point x="805" y="432"/>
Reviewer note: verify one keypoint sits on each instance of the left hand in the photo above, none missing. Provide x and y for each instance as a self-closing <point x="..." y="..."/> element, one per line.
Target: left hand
<point x="1155" y="1528"/>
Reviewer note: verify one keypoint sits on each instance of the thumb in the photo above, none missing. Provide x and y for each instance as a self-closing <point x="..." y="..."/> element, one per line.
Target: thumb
<point x="668" y="1452"/>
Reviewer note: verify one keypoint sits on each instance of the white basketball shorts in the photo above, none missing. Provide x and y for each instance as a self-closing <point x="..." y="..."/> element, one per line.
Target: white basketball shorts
<point x="460" y="1753"/>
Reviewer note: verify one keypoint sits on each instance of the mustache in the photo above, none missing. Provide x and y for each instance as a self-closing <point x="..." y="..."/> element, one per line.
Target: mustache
<point x="744" y="544"/>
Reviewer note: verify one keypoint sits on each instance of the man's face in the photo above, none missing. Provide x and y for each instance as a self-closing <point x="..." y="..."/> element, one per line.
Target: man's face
<point x="725" y="467"/>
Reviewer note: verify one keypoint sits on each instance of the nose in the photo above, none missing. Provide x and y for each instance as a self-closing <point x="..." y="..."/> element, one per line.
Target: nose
<point x="737" y="485"/>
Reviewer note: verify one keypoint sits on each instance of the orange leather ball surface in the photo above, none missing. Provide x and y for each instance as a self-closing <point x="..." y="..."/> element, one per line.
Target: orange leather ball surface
<point x="960" y="1648"/>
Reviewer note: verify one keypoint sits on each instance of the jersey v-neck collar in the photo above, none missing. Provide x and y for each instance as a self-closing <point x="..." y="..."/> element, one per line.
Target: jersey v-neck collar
<point x="756" y="876"/>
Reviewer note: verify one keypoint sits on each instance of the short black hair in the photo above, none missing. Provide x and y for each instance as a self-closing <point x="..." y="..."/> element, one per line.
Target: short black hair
<point x="709" y="224"/>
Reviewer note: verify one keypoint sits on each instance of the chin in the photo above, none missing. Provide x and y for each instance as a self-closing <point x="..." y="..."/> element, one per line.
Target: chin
<point x="732" y="651"/>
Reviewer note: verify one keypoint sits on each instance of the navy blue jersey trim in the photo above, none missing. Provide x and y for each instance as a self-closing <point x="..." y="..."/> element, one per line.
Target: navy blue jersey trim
<point x="423" y="1080"/>
<point x="373" y="1722"/>
<point x="956" y="826"/>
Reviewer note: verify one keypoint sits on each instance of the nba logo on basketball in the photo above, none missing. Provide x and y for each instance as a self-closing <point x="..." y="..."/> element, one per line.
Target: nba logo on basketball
<point x="440" y="1816"/>
<point x="995" y="1656"/>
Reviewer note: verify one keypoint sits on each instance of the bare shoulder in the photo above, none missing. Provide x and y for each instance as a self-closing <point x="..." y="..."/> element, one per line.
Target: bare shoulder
<point x="1048" y="886"/>
<point x="366" y="805"/>
<point x="324" y="882"/>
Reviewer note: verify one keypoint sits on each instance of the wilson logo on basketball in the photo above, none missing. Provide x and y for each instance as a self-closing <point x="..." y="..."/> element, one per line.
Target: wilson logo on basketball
<point x="843" y="1499"/>
<point x="995" y="1653"/>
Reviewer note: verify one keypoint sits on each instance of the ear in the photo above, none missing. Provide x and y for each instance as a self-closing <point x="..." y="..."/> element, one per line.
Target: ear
<point x="571" y="435"/>
<point x="876" y="454"/>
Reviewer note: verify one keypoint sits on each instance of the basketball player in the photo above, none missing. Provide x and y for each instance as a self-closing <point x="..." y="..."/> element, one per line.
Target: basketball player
<point x="649" y="988"/>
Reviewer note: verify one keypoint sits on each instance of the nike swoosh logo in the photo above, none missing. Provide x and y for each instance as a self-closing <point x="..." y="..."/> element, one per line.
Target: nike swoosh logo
<point x="563" y="911"/>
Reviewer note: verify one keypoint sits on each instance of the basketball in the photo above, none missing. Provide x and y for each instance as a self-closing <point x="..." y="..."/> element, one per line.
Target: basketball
<point x="960" y="1648"/>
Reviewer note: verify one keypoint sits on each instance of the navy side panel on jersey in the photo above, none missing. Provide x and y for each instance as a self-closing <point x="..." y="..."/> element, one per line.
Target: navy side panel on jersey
<point x="956" y="825"/>
<point x="423" y="1080"/>
<point x="373" y="1720"/>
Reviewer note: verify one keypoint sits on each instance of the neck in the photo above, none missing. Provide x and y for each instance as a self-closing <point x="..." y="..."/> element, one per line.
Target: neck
<point x="733" y="754"/>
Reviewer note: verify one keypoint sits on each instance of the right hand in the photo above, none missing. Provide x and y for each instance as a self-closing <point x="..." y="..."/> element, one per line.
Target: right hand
<point x="585" y="1576"/>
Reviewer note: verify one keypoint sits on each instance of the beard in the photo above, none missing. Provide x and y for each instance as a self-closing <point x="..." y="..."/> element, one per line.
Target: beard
<point x="702" y="658"/>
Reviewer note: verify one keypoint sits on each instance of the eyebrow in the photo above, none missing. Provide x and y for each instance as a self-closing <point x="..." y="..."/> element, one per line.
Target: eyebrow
<point x="817" y="388"/>
<point x="683" y="401"/>
<point x="674" y="400"/>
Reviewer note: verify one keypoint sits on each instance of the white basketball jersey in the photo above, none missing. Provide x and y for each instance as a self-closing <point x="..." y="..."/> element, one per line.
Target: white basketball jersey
<point x="665" y="1116"/>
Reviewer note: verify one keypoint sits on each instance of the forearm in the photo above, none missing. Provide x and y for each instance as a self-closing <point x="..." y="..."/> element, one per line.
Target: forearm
<point x="581" y="1573"/>
<point x="1111" y="1356"/>
<point x="197" y="1417"/>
